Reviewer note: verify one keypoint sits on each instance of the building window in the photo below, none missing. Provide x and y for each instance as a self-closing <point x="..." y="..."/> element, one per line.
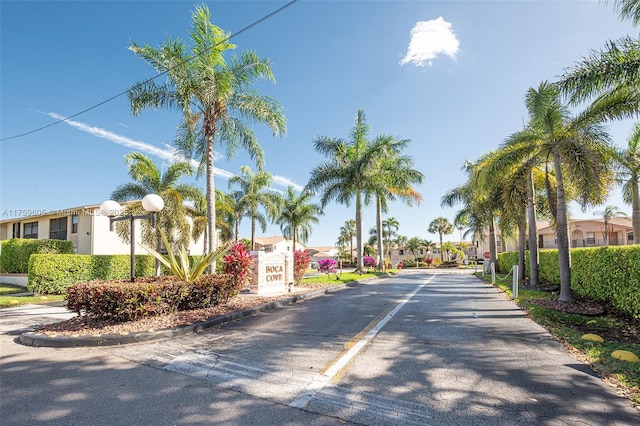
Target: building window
<point x="74" y="224"/>
<point x="58" y="229"/>
<point x="16" y="230"/>
<point x="630" y="238"/>
<point x="591" y="237"/>
<point x="31" y="230"/>
<point x="498" y="243"/>
<point x="401" y="252"/>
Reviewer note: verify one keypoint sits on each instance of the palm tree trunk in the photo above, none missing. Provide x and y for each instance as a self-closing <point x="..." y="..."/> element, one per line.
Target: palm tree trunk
<point x="253" y="233"/>
<point x="635" y="210"/>
<point x="493" y="247"/>
<point x="606" y="231"/>
<point x="379" y="229"/>
<point x="359" y="225"/>
<point x="534" y="257"/>
<point x="562" y="233"/>
<point x="522" y="247"/>
<point x="211" y="200"/>
<point x="441" y="258"/>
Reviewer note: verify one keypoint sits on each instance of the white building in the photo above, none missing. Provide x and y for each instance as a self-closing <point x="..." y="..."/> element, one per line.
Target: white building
<point x="84" y="226"/>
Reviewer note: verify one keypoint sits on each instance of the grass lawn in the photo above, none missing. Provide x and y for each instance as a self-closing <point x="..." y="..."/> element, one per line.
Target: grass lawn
<point x="336" y="279"/>
<point x="8" y="296"/>
<point x="569" y="328"/>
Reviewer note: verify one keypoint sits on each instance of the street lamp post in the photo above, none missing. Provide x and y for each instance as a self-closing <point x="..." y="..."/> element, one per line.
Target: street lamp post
<point x="151" y="203"/>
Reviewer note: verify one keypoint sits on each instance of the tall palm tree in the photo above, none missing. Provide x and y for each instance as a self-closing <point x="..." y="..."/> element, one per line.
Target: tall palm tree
<point x="253" y="194"/>
<point x="349" y="232"/>
<point x="391" y="226"/>
<point x="392" y="179"/>
<point x="346" y="176"/>
<point x="440" y="226"/>
<point x="215" y="97"/>
<point x="628" y="175"/>
<point x="607" y="214"/>
<point x="297" y="215"/>
<point x="578" y="150"/>
<point x="610" y="75"/>
<point x="148" y="179"/>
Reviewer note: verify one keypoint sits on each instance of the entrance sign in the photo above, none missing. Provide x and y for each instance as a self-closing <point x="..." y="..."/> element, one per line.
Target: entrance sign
<point x="272" y="272"/>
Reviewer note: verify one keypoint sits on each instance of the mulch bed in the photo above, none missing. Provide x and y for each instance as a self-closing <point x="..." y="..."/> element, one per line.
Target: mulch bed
<point x="627" y="331"/>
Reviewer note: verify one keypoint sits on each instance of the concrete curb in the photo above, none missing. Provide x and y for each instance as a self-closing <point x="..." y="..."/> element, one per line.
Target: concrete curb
<point x="33" y="338"/>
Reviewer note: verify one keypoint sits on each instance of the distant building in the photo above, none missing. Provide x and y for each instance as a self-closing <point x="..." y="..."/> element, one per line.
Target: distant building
<point x="278" y="244"/>
<point x="582" y="233"/>
<point x="84" y="226"/>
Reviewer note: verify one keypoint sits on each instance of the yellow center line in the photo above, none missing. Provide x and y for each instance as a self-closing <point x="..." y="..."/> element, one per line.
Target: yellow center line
<point x="336" y="367"/>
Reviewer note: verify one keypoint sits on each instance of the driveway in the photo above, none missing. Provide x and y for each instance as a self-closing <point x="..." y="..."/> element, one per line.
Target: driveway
<point x="421" y="348"/>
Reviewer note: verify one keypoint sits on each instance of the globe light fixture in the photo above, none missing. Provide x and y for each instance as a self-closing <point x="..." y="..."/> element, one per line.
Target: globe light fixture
<point x="151" y="203"/>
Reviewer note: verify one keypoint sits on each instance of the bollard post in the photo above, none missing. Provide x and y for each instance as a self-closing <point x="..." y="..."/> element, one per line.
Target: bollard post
<point x="514" y="287"/>
<point x="493" y="273"/>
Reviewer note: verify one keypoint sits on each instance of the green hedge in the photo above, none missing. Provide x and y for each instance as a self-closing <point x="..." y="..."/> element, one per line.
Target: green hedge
<point x="609" y="274"/>
<point x="16" y="252"/>
<point x="53" y="273"/>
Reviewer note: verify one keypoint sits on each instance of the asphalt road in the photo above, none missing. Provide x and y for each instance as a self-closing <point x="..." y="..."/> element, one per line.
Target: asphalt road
<point x="415" y="349"/>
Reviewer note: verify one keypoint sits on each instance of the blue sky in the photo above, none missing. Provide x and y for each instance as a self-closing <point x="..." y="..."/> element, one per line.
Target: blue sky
<point x="454" y="87"/>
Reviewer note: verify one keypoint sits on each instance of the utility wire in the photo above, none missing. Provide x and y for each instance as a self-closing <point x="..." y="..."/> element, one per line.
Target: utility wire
<point x="247" y="28"/>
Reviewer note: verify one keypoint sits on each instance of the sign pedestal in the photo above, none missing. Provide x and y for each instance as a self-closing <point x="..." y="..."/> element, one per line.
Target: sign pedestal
<point x="272" y="272"/>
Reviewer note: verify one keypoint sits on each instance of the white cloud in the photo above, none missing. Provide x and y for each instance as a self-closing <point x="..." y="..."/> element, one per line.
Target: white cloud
<point x="430" y="39"/>
<point x="165" y="154"/>
<point x="281" y="180"/>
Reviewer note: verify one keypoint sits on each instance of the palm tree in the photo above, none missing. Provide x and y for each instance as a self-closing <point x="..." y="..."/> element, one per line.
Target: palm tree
<point x="252" y="195"/>
<point x="297" y="215"/>
<point x="414" y="244"/>
<point x="147" y="179"/>
<point x="214" y="96"/>
<point x="607" y="214"/>
<point x="347" y="174"/>
<point x="578" y="149"/>
<point x="349" y="232"/>
<point x="628" y="175"/>
<point x="391" y="226"/>
<point x="392" y="179"/>
<point x="611" y="74"/>
<point x="480" y="205"/>
<point x="440" y="226"/>
<point x="224" y="215"/>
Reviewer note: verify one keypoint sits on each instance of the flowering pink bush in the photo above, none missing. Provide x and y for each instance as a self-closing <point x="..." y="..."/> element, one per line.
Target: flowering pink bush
<point x="327" y="266"/>
<point x="369" y="262"/>
<point x="301" y="261"/>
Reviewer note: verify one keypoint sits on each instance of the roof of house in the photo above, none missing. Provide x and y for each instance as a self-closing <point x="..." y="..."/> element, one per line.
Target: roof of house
<point x="266" y="241"/>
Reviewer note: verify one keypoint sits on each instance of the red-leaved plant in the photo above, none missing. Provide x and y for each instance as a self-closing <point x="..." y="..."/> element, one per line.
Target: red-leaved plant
<point x="301" y="261"/>
<point x="239" y="263"/>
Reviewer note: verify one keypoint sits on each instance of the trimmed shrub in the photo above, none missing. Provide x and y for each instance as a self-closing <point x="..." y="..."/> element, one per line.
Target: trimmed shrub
<point x="14" y="258"/>
<point x="610" y="274"/>
<point x="301" y="262"/>
<point x="53" y="273"/>
<point x="121" y="300"/>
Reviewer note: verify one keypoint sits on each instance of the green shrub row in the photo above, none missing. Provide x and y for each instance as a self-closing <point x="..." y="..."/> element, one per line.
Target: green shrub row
<point x="53" y="273"/>
<point x="121" y="300"/>
<point x="610" y="274"/>
<point x="14" y="258"/>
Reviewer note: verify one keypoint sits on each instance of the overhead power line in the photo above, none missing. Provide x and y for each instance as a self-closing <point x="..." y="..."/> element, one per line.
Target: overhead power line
<point x="247" y="28"/>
